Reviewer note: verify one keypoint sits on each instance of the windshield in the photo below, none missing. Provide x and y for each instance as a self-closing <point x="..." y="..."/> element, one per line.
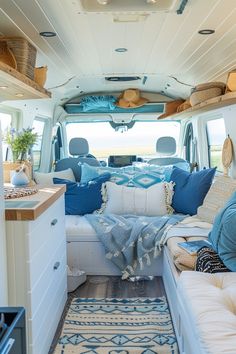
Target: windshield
<point x="139" y="140"/>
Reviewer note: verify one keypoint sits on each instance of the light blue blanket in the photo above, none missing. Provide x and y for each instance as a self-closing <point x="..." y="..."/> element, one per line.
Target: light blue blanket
<point x="131" y="241"/>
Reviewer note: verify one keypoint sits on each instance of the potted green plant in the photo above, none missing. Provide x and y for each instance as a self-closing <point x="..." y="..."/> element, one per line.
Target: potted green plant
<point x="20" y="142"/>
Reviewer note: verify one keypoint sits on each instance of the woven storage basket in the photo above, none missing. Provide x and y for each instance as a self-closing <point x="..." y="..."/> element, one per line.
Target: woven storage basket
<point x="40" y="75"/>
<point x="203" y="95"/>
<point x="24" y="53"/>
<point x="9" y="166"/>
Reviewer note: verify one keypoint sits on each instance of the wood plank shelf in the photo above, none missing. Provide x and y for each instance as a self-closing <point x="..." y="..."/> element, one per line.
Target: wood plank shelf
<point x="45" y="197"/>
<point x="16" y="86"/>
<point x="208" y="105"/>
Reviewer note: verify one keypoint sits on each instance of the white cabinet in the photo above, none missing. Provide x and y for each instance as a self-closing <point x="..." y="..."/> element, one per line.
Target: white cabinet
<point x="36" y="252"/>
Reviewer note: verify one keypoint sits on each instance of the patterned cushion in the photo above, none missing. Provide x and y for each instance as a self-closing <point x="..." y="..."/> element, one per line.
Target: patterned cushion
<point x="143" y="176"/>
<point x="146" y="180"/>
<point x="218" y="194"/>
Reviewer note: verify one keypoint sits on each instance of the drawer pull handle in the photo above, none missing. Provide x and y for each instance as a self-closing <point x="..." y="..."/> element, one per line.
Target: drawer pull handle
<point x="56" y="266"/>
<point x="54" y="222"/>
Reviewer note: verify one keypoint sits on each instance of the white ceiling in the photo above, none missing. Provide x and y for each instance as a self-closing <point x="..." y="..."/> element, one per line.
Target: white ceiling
<point x="162" y="45"/>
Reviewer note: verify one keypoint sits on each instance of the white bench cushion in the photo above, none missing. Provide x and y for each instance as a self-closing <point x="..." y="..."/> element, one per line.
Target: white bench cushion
<point x="210" y="302"/>
<point x="79" y="229"/>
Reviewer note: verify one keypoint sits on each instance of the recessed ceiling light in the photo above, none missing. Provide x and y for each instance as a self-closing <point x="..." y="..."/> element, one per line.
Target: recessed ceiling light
<point x="121" y="50"/>
<point x="3" y="87"/>
<point x="151" y="1"/>
<point x="206" y="31"/>
<point x="19" y="94"/>
<point x="103" y="2"/>
<point x="47" y="34"/>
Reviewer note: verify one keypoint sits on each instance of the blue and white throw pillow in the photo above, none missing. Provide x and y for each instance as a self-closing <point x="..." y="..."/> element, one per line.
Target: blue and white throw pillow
<point x="142" y="176"/>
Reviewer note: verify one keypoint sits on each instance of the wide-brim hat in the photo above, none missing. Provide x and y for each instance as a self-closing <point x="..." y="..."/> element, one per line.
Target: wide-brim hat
<point x="227" y="152"/>
<point x="131" y="98"/>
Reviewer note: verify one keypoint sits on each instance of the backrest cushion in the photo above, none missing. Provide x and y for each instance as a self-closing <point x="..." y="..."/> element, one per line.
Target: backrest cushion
<point x="166" y="146"/>
<point x="152" y="201"/>
<point x="83" y="199"/>
<point x="220" y="191"/>
<point x="143" y="176"/>
<point x="223" y="235"/>
<point x="47" y="178"/>
<point x="190" y="189"/>
<point x="78" y="147"/>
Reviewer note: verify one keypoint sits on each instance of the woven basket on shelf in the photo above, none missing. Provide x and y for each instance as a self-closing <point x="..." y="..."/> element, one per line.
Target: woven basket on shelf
<point x="24" y="53"/>
<point x="40" y="75"/>
<point x="203" y="95"/>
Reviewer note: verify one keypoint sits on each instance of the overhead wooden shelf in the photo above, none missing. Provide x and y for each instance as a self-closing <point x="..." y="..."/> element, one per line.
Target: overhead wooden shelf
<point x="208" y="105"/>
<point x="16" y="86"/>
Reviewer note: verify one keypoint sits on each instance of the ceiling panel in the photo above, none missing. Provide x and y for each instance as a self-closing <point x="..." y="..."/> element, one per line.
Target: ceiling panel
<point x="161" y="45"/>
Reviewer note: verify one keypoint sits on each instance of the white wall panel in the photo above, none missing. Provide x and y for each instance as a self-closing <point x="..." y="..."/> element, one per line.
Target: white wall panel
<point x="3" y="262"/>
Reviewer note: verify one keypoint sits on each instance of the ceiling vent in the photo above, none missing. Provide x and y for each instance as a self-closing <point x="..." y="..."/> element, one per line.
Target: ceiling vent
<point x="122" y="78"/>
<point x="115" y="6"/>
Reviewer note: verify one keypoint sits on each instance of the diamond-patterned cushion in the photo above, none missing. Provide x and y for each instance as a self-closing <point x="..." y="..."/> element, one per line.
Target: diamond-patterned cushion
<point x="142" y="176"/>
<point x="146" y="180"/>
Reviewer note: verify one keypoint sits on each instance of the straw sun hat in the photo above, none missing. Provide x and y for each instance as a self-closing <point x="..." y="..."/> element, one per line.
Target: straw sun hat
<point x="131" y="99"/>
<point x="227" y="154"/>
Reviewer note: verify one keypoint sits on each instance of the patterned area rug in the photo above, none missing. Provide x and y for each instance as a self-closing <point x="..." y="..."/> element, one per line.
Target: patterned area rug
<point x="117" y="326"/>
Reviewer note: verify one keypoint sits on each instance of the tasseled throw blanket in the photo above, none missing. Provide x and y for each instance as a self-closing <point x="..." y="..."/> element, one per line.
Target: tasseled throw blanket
<point x="132" y="241"/>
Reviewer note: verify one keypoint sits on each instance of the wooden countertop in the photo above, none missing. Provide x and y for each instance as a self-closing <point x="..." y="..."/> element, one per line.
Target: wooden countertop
<point x="44" y="198"/>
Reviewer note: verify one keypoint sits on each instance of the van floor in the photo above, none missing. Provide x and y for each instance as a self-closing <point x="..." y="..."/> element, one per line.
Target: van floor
<point x="111" y="287"/>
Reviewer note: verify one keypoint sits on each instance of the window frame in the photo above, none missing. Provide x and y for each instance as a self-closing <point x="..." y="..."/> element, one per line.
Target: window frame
<point x="46" y="140"/>
<point x="16" y="121"/>
<point x="215" y="118"/>
<point x="188" y="141"/>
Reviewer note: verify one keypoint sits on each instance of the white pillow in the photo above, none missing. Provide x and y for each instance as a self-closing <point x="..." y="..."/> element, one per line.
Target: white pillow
<point x="47" y="178"/>
<point x="153" y="201"/>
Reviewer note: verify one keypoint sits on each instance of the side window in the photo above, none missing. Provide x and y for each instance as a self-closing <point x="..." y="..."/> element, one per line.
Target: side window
<point x="6" y="122"/>
<point x="39" y="128"/>
<point x="216" y="135"/>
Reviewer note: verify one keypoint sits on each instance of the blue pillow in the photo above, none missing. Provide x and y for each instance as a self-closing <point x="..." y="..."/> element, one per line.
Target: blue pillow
<point x="88" y="173"/>
<point x="83" y="199"/>
<point x="190" y="189"/>
<point x="223" y="235"/>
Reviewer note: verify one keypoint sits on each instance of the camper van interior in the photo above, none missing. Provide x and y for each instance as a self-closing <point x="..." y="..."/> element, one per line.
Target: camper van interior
<point x="118" y="176"/>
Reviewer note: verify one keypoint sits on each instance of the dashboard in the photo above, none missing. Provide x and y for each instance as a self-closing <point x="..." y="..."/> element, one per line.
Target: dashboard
<point x="122" y="160"/>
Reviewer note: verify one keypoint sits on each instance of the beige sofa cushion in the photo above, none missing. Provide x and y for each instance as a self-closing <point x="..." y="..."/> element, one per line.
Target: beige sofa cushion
<point x="209" y="301"/>
<point x="216" y="198"/>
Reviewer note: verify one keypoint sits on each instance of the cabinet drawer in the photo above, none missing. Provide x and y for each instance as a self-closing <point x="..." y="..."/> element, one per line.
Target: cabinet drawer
<point x="47" y="224"/>
<point x="39" y="325"/>
<point x="47" y="331"/>
<point x="39" y="261"/>
<point x="48" y="282"/>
